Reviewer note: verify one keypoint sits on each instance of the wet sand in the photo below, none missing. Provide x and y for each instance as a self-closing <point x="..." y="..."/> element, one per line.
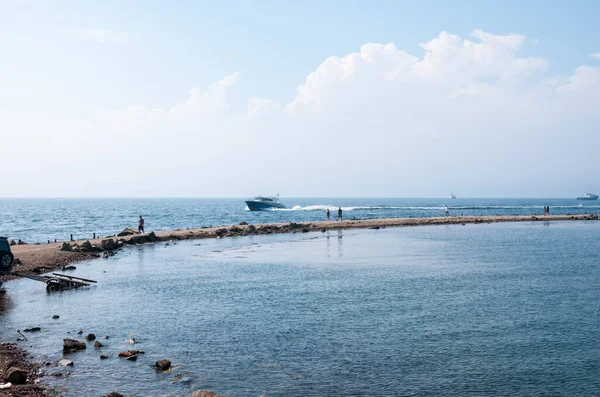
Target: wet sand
<point x="36" y="259"/>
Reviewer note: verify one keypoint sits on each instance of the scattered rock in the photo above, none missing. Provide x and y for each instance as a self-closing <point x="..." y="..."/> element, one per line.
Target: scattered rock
<point x="21" y="243"/>
<point x="132" y="358"/>
<point x="65" y="363"/>
<point x="305" y="230"/>
<point x="152" y="237"/>
<point x="55" y="317"/>
<point x="17" y="262"/>
<point x="243" y="223"/>
<point x="16" y="376"/>
<point x="98" y="345"/>
<point x="206" y="393"/>
<point x="98" y="247"/>
<point x="375" y="228"/>
<point x="32" y="329"/>
<point x="128" y="232"/>
<point x="66" y="247"/>
<point x="251" y="228"/>
<point x="162" y="365"/>
<point x="130" y="353"/>
<point x="72" y="345"/>
<point x="114" y="394"/>
<point x="69" y="267"/>
<point x="13" y="242"/>
<point x="90" y="337"/>
<point x="80" y="332"/>
<point x="103" y="357"/>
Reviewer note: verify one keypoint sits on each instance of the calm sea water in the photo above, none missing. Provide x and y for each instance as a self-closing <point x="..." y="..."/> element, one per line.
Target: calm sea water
<point x="40" y="220"/>
<point x="475" y="310"/>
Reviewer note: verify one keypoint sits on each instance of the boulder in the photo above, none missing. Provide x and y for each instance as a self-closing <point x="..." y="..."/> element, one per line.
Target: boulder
<point x="243" y="223"/>
<point x="152" y="237"/>
<point x="114" y="394"/>
<point x="128" y="232"/>
<point x="103" y="357"/>
<point x="72" y="345"/>
<point x="12" y="242"/>
<point x="65" y="363"/>
<point x="98" y="345"/>
<point x="109" y="244"/>
<point x="68" y="267"/>
<point x="252" y="228"/>
<point x="56" y="316"/>
<point x="86" y="246"/>
<point x="162" y="365"/>
<point x="66" y="247"/>
<point x="206" y="393"/>
<point x="98" y="247"/>
<point x="32" y="329"/>
<point x="90" y="337"/>
<point x="130" y="353"/>
<point x="16" y="376"/>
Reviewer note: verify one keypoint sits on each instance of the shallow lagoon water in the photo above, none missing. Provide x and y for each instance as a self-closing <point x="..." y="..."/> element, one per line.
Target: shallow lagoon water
<point x="493" y="309"/>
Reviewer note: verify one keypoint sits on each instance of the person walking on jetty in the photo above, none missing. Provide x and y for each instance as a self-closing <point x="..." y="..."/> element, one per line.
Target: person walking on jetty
<point x="141" y="225"/>
<point x="328" y="214"/>
<point x="340" y="214"/>
<point x="446" y="211"/>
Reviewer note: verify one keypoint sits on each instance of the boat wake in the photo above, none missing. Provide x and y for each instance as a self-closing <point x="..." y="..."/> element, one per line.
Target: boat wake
<point x="333" y="208"/>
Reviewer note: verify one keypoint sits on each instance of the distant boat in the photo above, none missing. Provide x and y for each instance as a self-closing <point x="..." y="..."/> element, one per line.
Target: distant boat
<point x="452" y="196"/>
<point x="588" y="196"/>
<point x="260" y="203"/>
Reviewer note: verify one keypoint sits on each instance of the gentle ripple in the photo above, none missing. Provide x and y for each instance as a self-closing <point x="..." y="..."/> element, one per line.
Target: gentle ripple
<point x="475" y="310"/>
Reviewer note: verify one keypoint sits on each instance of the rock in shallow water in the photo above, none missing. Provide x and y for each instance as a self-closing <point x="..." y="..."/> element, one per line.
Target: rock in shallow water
<point x="206" y="393"/>
<point x="72" y="345"/>
<point x="162" y="365"/>
<point x="65" y="363"/>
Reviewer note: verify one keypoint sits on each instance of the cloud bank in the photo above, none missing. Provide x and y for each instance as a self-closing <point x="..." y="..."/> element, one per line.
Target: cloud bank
<point x="470" y="115"/>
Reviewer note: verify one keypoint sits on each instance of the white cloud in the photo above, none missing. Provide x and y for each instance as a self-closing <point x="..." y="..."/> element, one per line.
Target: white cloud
<point x="258" y="106"/>
<point x="470" y="115"/>
<point x="101" y="36"/>
<point x="596" y="55"/>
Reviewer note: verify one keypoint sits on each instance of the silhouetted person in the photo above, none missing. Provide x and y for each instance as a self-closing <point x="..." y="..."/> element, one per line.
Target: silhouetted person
<point x="446" y="211"/>
<point x="328" y="214"/>
<point x="141" y="225"/>
<point x="340" y="214"/>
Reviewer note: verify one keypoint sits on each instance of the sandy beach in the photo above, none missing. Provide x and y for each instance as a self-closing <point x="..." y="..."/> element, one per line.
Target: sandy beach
<point x="41" y="258"/>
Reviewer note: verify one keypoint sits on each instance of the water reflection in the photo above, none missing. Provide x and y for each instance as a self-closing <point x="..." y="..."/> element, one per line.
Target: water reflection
<point x="6" y="302"/>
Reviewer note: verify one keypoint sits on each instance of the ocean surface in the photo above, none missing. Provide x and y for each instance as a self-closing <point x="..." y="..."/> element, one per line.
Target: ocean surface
<point x="40" y="220"/>
<point x="477" y="310"/>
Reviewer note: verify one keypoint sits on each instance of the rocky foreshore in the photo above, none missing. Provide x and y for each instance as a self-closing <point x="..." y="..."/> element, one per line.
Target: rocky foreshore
<point x="43" y="258"/>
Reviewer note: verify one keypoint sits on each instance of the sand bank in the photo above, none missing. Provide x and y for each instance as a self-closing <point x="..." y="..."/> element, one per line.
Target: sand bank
<point x="48" y="257"/>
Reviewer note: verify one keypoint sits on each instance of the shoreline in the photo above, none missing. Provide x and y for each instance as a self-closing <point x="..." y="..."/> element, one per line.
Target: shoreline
<point x="44" y="258"/>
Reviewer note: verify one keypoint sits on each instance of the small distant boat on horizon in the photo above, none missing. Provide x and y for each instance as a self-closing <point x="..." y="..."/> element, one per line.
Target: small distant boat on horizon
<point x="452" y="196"/>
<point x="260" y="203"/>
<point x="588" y="196"/>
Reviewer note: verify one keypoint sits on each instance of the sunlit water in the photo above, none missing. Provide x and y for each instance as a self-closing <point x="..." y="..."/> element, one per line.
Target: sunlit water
<point x="40" y="220"/>
<point x="479" y="310"/>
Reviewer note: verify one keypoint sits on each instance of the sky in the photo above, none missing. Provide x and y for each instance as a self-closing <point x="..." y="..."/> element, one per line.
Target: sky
<point x="304" y="99"/>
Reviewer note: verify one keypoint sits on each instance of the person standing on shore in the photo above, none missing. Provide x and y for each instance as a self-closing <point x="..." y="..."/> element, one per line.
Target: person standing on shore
<point x="328" y="214"/>
<point x="340" y="214"/>
<point x="548" y="210"/>
<point x="141" y="225"/>
<point x="446" y="211"/>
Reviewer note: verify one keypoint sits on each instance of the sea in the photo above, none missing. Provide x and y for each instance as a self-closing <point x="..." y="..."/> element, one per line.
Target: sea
<point x="43" y="220"/>
<point x="502" y="309"/>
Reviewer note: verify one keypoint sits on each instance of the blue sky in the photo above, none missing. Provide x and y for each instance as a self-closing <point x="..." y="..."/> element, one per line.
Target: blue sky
<point x="69" y="61"/>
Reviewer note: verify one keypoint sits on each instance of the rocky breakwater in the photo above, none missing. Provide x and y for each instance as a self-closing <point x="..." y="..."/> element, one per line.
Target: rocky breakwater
<point x="109" y="246"/>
